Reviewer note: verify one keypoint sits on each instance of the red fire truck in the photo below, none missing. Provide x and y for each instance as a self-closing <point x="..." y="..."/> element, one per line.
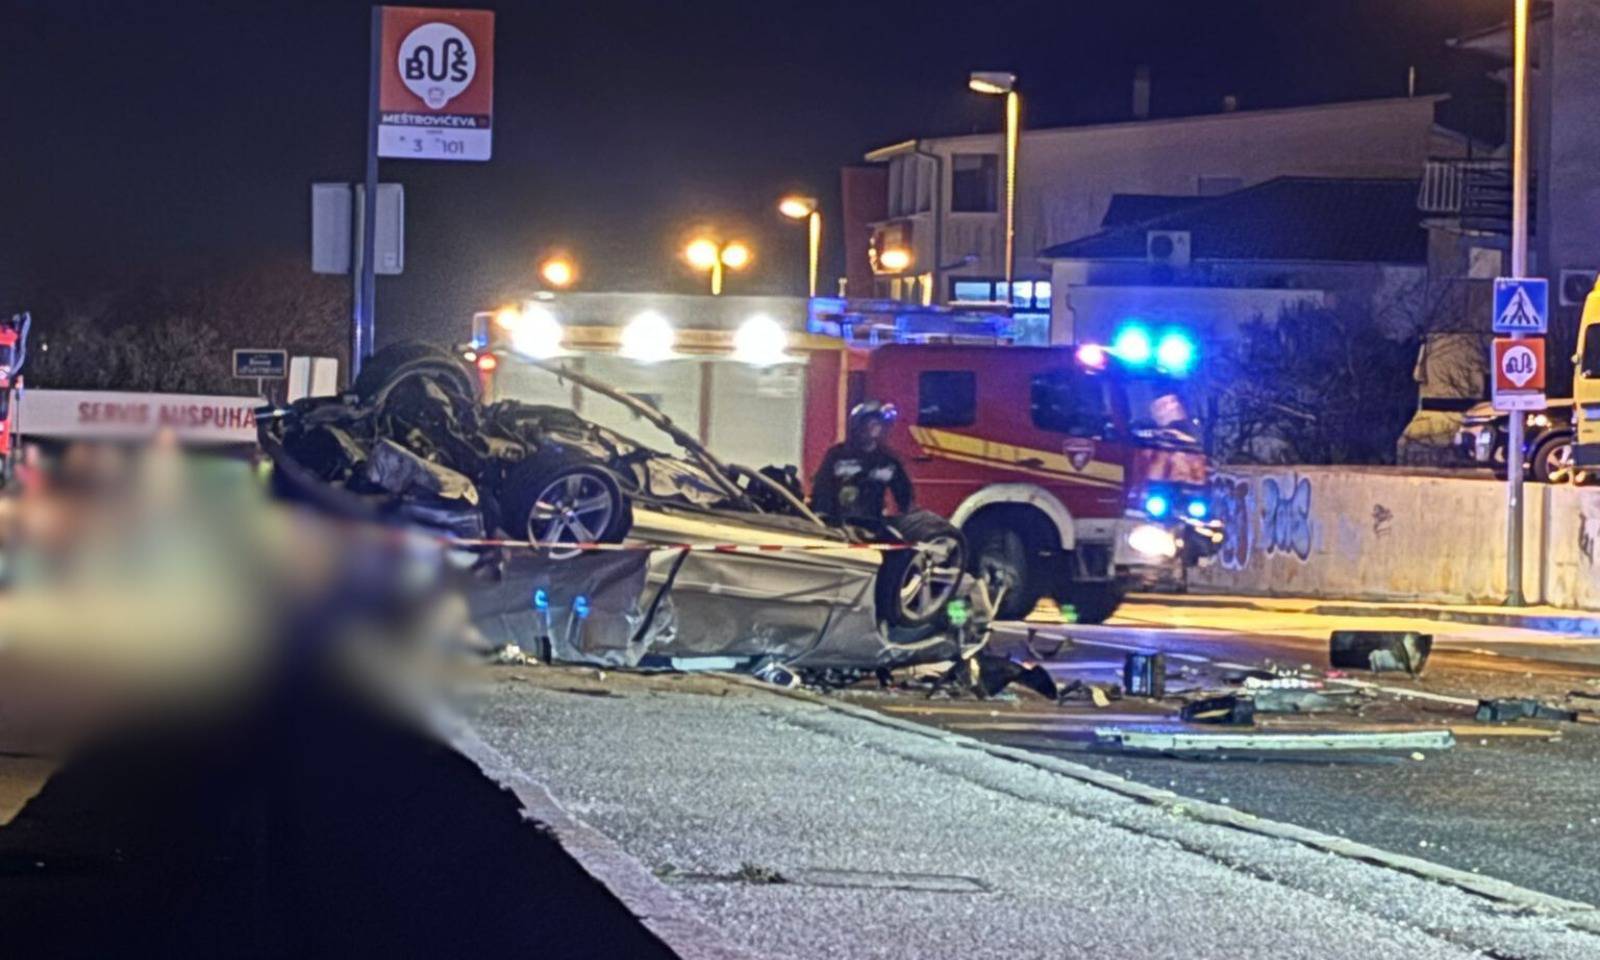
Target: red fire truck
<point x="1075" y="472"/>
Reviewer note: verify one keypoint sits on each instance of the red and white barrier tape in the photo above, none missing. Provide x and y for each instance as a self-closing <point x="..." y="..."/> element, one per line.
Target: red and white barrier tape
<point x="686" y="547"/>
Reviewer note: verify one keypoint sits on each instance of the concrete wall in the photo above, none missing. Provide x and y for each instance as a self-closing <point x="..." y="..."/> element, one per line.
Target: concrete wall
<point x="1383" y="535"/>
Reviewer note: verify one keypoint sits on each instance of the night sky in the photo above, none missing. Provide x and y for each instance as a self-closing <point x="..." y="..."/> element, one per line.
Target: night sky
<point x="158" y="134"/>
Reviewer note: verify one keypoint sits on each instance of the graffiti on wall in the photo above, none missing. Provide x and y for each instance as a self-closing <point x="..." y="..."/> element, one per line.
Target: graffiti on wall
<point x="1286" y="516"/>
<point x="1235" y="506"/>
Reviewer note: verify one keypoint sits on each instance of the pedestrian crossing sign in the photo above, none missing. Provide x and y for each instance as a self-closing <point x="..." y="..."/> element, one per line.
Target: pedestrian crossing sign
<point x="1521" y="305"/>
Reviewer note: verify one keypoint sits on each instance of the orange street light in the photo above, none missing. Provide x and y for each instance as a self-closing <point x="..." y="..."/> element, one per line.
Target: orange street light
<point x="707" y="254"/>
<point x="805" y="208"/>
<point x="558" y="272"/>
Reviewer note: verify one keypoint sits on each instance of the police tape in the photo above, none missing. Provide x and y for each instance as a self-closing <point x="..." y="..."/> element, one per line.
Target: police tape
<point x="591" y="547"/>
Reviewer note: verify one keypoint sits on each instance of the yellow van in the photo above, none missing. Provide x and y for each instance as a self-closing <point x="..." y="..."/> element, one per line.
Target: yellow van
<point x="1586" y="385"/>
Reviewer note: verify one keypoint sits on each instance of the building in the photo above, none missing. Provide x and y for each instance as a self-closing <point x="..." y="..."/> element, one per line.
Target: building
<point x="1213" y="264"/>
<point x="942" y="198"/>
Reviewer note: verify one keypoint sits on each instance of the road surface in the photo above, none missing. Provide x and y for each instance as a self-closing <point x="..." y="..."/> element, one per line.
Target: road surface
<point x="1516" y="801"/>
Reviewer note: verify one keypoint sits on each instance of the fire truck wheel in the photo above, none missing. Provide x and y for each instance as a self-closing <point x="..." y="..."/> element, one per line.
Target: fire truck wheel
<point x="1002" y="558"/>
<point x="557" y="496"/>
<point x="914" y="586"/>
<point x="1093" y="602"/>
<point x="384" y="370"/>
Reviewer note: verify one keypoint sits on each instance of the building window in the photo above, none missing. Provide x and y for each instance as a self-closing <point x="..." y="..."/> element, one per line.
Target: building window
<point x="975" y="183"/>
<point x="972" y="291"/>
<point x="1217" y="186"/>
<point x="947" y="398"/>
<point x="1591" y="353"/>
<point x="1070" y="402"/>
<point x="1028" y="294"/>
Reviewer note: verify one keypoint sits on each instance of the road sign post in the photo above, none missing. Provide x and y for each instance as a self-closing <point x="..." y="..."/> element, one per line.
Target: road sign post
<point x="430" y="93"/>
<point x="1521" y="313"/>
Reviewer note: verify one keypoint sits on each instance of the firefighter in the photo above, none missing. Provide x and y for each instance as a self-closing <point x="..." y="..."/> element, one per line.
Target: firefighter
<point x="855" y="475"/>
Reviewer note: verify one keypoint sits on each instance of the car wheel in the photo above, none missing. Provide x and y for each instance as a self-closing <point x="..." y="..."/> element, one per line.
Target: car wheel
<point x="1002" y="558"/>
<point x="389" y="367"/>
<point x="1093" y="602"/>
<point x="559" y="497"/>
<point x="914" y="586"/>
<point x="1552" y="460"/>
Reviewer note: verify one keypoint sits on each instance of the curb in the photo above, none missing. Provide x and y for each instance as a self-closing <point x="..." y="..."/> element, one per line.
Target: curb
<point x="1576" y="914"/>
<point x="1587" y="626"/>
<point x="674" y="922"/>
<point x="1578" y="623"/>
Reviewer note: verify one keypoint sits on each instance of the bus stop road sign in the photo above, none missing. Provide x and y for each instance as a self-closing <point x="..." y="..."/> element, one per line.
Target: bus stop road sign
<point x="1519" y="373"/>
<point x="1521" y="305"/>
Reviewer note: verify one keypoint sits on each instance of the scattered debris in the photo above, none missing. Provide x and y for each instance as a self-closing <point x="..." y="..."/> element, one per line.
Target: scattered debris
<point x="1521" y="708"/>
<point x="511" y="654"/>
<point x="1100" y="694"/>
<point x="777" y="674"/>
<point x="1281" y="683"/>
<point x="986" y="674"/>
<point x="1229" y="709"/>
<point x="1245" y="744"/>
<point x="1145" y="675"/>
<point x="1419" y="755"/>
<point x="1380" y="650"/>
<point x="1302" y="700"/>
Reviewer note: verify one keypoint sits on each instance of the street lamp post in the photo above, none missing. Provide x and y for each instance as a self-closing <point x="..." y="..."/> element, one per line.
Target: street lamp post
<point x="708" y="254"/>
<point x="1519" y="268"/>
<point x="558" y="272"/>
<point x="1000" y="83"/>
<point x="805" y="208"/>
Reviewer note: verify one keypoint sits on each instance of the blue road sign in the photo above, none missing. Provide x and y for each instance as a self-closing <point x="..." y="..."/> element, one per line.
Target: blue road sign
<point x="261" y="364"/>
<point x="1521" y="305"/>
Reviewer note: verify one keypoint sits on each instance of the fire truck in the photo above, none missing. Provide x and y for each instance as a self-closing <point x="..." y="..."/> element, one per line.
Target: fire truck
<point x="1075" y="472"/>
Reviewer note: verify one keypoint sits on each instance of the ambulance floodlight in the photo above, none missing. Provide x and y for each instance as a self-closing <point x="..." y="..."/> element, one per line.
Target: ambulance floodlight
<point x="1132" y="345"/>
<point x="533" y="331"/>
<point x="648" y="338"/>
<point x="761" y="341"/>
<point x="1175" y="353"/>
<point x="1093" y="356"/>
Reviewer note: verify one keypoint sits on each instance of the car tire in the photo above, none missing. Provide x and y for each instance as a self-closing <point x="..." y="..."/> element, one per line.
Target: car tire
<point x="1552" y="458"/>
<point x="1093" y="602"/>
<point x="560" y="496"/>
<point x="1002" y="557"/>
<point x="387" y="368"/>
<point x="914" y="586"/>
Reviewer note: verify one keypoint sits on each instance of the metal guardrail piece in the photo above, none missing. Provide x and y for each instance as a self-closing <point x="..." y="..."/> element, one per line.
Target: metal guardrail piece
<point x="1182" y="742"/>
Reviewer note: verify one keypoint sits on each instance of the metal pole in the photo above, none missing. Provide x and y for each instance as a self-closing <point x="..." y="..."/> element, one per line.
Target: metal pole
<point x="361" y="344"/>
<point x="716" y="274"/>
<point x="814" y="227"/>
<point x="1013" y="118"/>
<point x="1519" y="268"/>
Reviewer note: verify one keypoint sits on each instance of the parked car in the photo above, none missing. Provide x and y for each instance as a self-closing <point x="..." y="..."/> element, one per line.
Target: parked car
<point x="1547" y="440"/>
<point x="413" y="443"/>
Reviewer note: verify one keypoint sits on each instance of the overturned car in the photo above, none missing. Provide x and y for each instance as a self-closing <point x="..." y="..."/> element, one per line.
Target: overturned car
<point x="599" y="546"/>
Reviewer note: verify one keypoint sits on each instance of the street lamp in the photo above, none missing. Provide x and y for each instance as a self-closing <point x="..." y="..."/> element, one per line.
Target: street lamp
<point x="558" y="272"/>
<point x="708" y="254"/>
<point x="805" y="208"/>
<point x="999" y="83"/>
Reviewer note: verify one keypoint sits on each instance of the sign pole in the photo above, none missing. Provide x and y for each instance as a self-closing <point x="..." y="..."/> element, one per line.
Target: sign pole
<point x="366" y="284"/>
<point x="1519" y="269"/>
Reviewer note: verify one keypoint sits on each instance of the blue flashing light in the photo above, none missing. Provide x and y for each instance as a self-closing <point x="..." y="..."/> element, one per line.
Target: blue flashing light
<point x="541" y="599"/>
<point x="580" y="606"/>
<point x="1175" y="353"/>
<point x="1132" y="344"/>
<point x="1156" y="505"/>
<point x="1197" y="509"/>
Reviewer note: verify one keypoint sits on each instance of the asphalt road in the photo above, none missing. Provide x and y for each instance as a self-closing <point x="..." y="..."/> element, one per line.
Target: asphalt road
<point x="1520" y="802"/>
